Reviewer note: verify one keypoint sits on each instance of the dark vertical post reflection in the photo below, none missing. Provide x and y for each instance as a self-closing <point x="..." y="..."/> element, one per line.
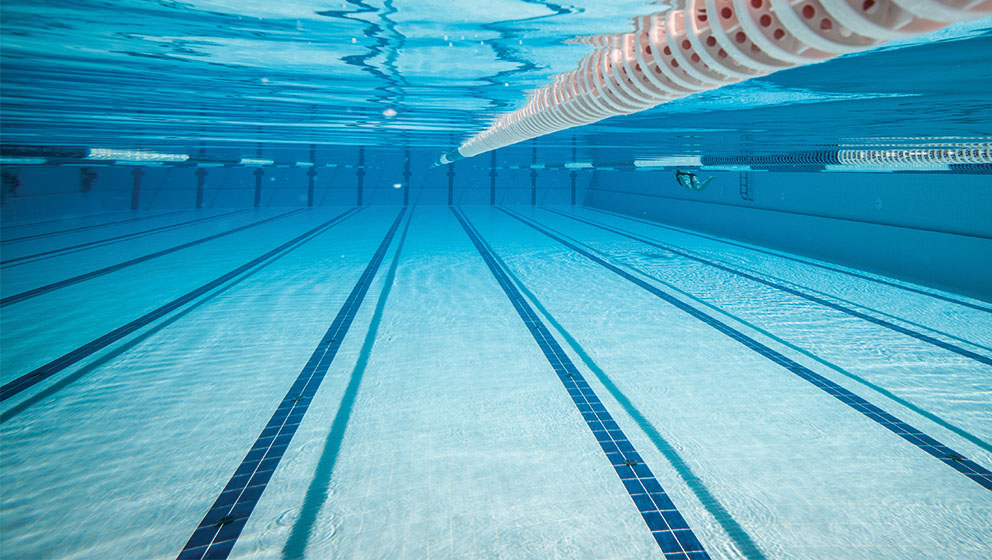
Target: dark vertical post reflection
<point x="311" y="175"/>
<point x="258" y="176"/>
<point x="136" y="187"/>
<point x="361" y="174"/>
<point x="573" y="174"/>
<point x="201" y="179"/>
<point x="533" y="174"/>
<point x="492" y="179"/>
<point x="406" y="176"/>
<point x="451" y="184"/>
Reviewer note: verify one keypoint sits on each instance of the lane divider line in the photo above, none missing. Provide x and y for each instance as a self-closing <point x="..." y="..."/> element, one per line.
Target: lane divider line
<point x="35" y="292"/>
<point x="929" y="445"/>
<point x="792" y="291"/>
<point x="100" y="242"/>
<point x="813" y="263"/>
<point x="220" y="528"/>
<point x="39" y="374"/>
<point x="80" y="228"/>
<point x="670" y="530"/>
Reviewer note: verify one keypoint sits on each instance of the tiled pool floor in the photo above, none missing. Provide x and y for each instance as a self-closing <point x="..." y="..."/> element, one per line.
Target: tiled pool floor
<point x="478" y="383"/>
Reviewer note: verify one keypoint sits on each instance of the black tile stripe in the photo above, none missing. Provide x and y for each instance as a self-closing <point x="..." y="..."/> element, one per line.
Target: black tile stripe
<point x="114" y="268"/>
<point x="948" y="456"/>
<point x="798" y="260"/>
<point x="109" y="240"/>
<point x="80" y="228"/>
<point x="51" y="368"/>
<point x="220" y="528"/>
<point x="676" y="539"/>
<point x="792" y="291"/>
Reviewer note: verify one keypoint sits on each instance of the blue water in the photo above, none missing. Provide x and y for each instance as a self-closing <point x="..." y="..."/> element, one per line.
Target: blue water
<point x="304" y="341"/>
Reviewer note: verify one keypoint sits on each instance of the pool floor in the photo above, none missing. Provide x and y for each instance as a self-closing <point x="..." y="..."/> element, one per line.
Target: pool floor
<point x="477" y="382"/>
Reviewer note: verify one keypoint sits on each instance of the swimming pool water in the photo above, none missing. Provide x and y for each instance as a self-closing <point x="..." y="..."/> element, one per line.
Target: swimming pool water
<point x="442" y="428"/>
<point x="245" y="314"/>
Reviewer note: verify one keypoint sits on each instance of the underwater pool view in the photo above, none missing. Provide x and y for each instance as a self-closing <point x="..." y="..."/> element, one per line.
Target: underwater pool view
<point x="260" y="298"/>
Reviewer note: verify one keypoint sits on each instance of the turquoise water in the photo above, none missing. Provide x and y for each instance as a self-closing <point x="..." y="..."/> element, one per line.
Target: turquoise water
<point x="279" y="332"/>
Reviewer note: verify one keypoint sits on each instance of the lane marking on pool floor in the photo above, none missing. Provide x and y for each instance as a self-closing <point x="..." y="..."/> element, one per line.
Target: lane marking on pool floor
<point x="316" y="495"/>
<point x="27" y="259"/>
<point x="792" y="291"/>
<point x="670" y="530"/>
<point x="929" y="445"/>
<point x="220" y="528"/>
<point x="876" y="388"/>
<point x="754" y="268"/>
<point x="41" y="373"/>
<point x="80" y="228"/>
<point x="35" y="292"/>
<point x="813" y="263"/>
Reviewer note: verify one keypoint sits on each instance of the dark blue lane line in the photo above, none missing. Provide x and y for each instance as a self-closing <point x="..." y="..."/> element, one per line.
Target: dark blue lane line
<point x="860" y="380"/>
<point x="946" y="455"/>
<point x="31" y="378"/>
<point x="316" y="496"/>
<point x="809" y="297"/>
<point x="92" y="226"/>
<point x="798" y="260"/>
<point x="220" y="528"/>
<point x="126" y="346"/>
<point x="35" y="292"/>
<point x="74" y="248"/>
<point x="737" y="534"/>
<point x="670" y="530"/>
<point x="877" y="312"/>
<point x="68" y="218"/>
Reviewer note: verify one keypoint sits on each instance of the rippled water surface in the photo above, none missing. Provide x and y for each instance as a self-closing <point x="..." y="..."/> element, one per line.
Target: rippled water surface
<point x="430" y="73"/>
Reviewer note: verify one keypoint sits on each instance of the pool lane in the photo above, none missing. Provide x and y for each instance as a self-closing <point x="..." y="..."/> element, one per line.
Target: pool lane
<point x="930" y="381"/>
<point x="938" y="450"/>
<point x="220" y="528"/>
<point x="923" y="337"/>
<point x="32" y="275"/>
<point x="927" y="293"/>
<point x="42" y="290"/>
<point x="43" y="335"/>
<point x="460" y="442"/>
<point x="667" y="525"/>
<point x="949" y="316"/>
<point x="804" y="473"/>
<point x="21" y="256"/>
<point x="20" y="237"/>
<point x="125" y="461"/>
